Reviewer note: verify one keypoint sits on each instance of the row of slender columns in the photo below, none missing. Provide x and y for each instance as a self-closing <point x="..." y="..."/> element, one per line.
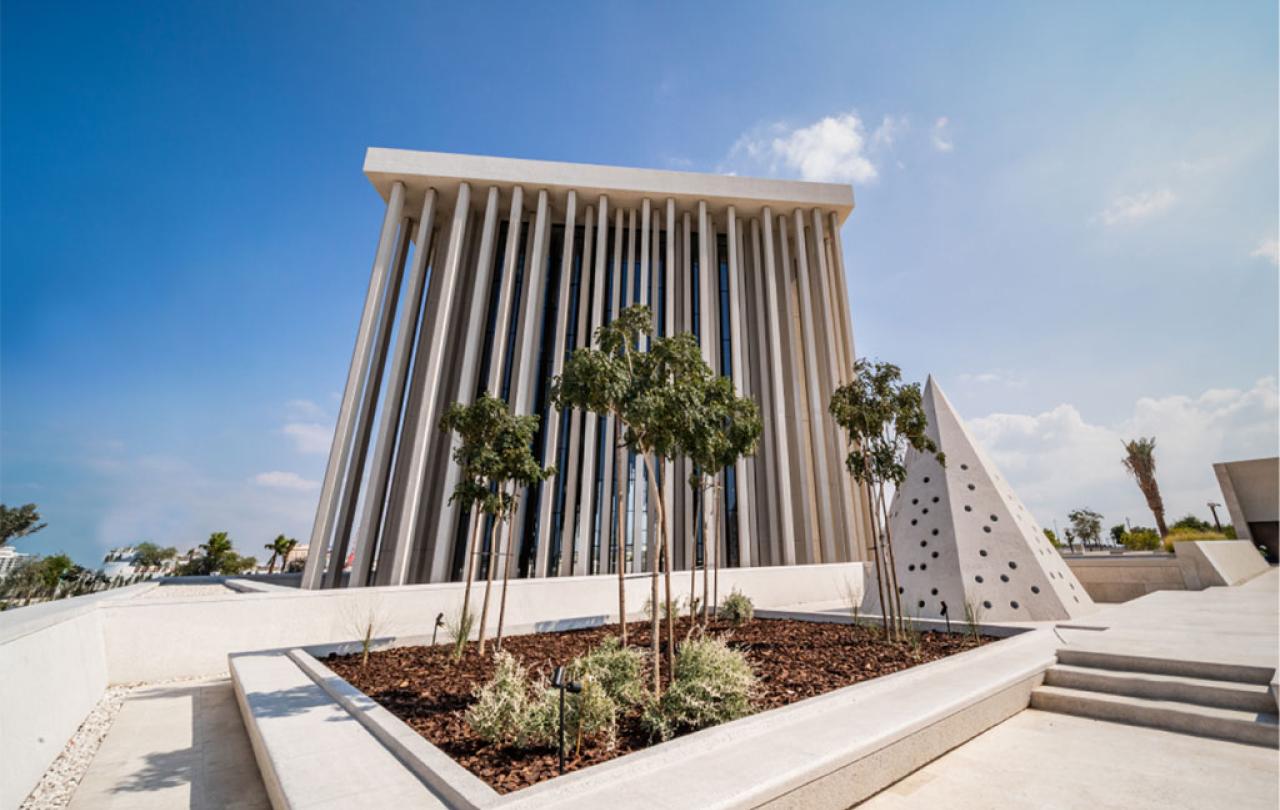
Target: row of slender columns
<point x="788" y="346"/>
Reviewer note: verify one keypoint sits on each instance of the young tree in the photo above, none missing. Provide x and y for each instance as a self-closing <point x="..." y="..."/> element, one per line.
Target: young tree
<point x="497" y="465"/>
<point x="883" y="418"/>
<point x="1140" y="461"/>
<point x="148" y="556"/>
<point x="654" y="395"/>
<point x="19" y="521"/>
<point x="280" y="549"/>
<point x="726" y="428"/>
<point x="1086" y="525"/>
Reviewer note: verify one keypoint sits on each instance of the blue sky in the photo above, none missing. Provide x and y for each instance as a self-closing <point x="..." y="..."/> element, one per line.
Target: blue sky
<point x="1066" y="212"/>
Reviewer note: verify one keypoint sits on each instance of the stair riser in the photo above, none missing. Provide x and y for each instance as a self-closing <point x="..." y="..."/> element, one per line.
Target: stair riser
<point x="1238" y="673"/>
<point x="1113" y="683"/>
<point x="1162" y="718"/>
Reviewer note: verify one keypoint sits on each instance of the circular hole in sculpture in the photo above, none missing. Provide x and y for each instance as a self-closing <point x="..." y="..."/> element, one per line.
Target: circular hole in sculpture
<point x="987" y="529"/>
<point x="1012" y="564"/>
<point x="972" y="487"/>
<point x="1013" y="605"/>
<point x="982" y="552"/>
<point x="964" y="466"/>
<point x="968" y="508"/>
<point x="911" y="567"/>
<point x="1035" y="589"/>
<point x="1004" y="577"/>
<point x="978" y="579"/>
<point x="933" y="592"/>
<point x="986" y="605"/>
<point x="920" y="604"/>
<point x="926" y="479"/>
<point x="935" y="555"/>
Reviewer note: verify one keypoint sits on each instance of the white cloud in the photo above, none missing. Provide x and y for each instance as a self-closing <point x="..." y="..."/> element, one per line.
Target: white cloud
<point x="1268" y="249"/>
<point x="941" y="135"/>
<point x="278" y="479"/>
<point x="1128" y="208"/>
<point x="1058" y="460"/>
<point x="304" y="409"/>
<point x="836" y="148"/>
<point x="997" y="376"/>
<point x="309" y="437"/>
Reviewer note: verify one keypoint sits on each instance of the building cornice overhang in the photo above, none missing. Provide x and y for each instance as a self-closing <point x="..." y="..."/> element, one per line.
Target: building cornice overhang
<point x="625" y="187"/>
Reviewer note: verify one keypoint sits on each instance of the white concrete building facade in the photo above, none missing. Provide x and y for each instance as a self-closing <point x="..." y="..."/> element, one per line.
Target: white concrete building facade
<point x="490" y="272"/>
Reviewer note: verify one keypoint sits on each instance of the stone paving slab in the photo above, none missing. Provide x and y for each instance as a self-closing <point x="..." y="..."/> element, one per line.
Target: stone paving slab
<point x="175" y="746"/>
<point x="1044" y="760"/>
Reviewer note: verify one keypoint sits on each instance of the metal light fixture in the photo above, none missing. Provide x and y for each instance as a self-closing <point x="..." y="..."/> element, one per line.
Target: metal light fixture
<point x="559" y="682"/>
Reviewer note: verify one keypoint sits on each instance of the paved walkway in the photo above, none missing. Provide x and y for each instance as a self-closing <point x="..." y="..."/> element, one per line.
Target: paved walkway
<point x="175" y="746"/>
<point x="1043" y="760"/>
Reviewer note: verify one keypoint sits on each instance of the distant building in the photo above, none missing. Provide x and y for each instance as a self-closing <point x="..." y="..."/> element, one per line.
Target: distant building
<point x="1251" y="490"/>
<point x="122" y="562"/>
<point x="11" y="558"/>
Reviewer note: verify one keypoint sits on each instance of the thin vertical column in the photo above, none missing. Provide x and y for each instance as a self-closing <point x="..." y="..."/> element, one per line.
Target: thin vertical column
<point x="745" y="503"/>
<point x="340" y="450"/>
<point x="412" y="509"/>
<point x="525" y="358"/>
<point x="686" y="312"/>
<point x="758" y="463"/>
<point x="796" y="403"/>
<point x="586" y="520"/>
<point x="501" y="325"/>
<point x="668" y="329"/>
<point x="772" y="469"/>
<point x="808" y="323"/>
<point x="641" y="490"/>
<point x="574" y="482"/>
<point x="862" y="510"/>
<point x="841" y="489"/>
<point x="345" y="524"/>
<point x="627" y="476"/>
<point x="470" y="370"/>
<point x="398" y="374"/>
<point x="609" y="456"/>
<point x="551" y="430"/>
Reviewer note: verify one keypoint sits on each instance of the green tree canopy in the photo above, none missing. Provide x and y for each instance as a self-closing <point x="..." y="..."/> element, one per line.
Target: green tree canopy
<point x="1086" y="525"/>
<point x="19" y="521"/>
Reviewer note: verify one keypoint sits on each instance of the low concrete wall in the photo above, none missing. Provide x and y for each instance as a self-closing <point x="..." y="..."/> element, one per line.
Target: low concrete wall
<point x="53" y="671"/>
<point x="1122" y="577"/>
<point x="157" y="639"/>
<point x="1215" y="563"/>
<point x="1193" y="566"/>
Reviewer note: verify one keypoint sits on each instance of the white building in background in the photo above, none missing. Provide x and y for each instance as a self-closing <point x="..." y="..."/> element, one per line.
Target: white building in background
<point x="489" y="272"/>
<point x="122" y="562"/>
<point x="11" y="558"/>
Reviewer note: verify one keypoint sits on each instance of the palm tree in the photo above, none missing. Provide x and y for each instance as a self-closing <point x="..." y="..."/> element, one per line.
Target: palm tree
<point x="216" y="549"/>
<point x="280" y="549"/>
<point x="1140" y="460"/>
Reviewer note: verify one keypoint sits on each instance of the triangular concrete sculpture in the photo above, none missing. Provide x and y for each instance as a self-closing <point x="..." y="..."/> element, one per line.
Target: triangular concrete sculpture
<point x="961" y="537"/>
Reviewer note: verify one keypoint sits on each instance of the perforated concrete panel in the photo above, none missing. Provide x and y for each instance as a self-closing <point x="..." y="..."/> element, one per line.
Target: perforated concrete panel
<point x="961" y="536"/>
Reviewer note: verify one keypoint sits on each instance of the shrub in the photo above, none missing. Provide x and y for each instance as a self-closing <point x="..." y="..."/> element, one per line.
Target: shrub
<point x="501" y="713"/>
<point x="589" y="715"/>
<point x="737" y="608"/>
<point x="459" y="627"/>
<point x="1140" y="540"/>
<point x="711" y="684"/>
<point x="618" y="670"/>
<point x="1185" y="535"/>
<point x="662" y="608"/>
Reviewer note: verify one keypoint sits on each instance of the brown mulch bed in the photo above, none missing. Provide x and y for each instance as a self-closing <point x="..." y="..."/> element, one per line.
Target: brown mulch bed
<point x="793" y="660"/>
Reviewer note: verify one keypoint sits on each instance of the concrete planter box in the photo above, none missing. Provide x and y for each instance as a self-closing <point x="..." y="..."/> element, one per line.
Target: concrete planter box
<point x="827" y="751"/>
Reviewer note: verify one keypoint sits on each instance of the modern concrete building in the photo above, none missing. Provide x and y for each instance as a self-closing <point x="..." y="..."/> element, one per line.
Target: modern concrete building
<point x="1251" y="490"/>
<point x="489" y="272"/>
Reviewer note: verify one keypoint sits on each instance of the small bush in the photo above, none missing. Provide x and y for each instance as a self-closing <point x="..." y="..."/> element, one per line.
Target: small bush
<point x="1140" y="540"/>
<point x="501" y="713"/>
<point x="737" y="608"/>
<point x="676" y="605"/>
<point x="589" y="715"/>
<point x="618" y="670"/>
<point x="459" y="626"/>
<point x="712" y="684"/>
<point x="1186" y="535"/>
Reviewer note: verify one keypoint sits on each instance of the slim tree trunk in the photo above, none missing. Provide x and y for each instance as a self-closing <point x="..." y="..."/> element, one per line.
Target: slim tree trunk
<point x="471" y="552"/>
<point x="893" y="566"/>
<point x="488" y="586"/>
<point x="693" y="558"/>
<point x="622" y="556"/>
<point x="506" y="570"/>
<point x="879" y="562"/>
<point x="664" y="554"/>
<point x="708" y="540"/>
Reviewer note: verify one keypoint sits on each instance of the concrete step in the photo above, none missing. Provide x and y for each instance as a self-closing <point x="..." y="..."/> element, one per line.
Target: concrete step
<point x="1247" y="697"/>
<point x="1124" y="662"/>
<point x="1253" y="728"/>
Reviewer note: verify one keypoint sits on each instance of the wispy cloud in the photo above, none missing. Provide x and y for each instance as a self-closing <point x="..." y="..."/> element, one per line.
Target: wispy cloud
<point x="1131" y="208"/>
<point x="304" y="409"/>
<point x="837" y="148"/>
<point x="941" y="135"/>
<point x="1058" y="460"/>
<point x="1268" y="249"/>
<point x="309" y="437"/>
<point x="278" y="479"/>
<point x="994" y="377"/>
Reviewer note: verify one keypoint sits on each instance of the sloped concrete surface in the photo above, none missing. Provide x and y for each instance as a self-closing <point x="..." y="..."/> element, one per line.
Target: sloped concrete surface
<point x="175" y="746"/>
<point x="1044" y="760"/>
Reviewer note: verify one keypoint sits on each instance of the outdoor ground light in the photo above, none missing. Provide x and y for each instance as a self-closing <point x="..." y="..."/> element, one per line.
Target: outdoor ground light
<point x="559" y="682"/>
<point x="436" y="629"/>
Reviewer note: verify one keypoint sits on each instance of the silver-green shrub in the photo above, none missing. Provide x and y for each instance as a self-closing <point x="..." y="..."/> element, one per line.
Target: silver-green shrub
<point x="617" y="669"/>
<point x="589" y="715"/>
<point x="501" y="711"/>
<point x="737" y="608"/>
<point x="711" y="684"/>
